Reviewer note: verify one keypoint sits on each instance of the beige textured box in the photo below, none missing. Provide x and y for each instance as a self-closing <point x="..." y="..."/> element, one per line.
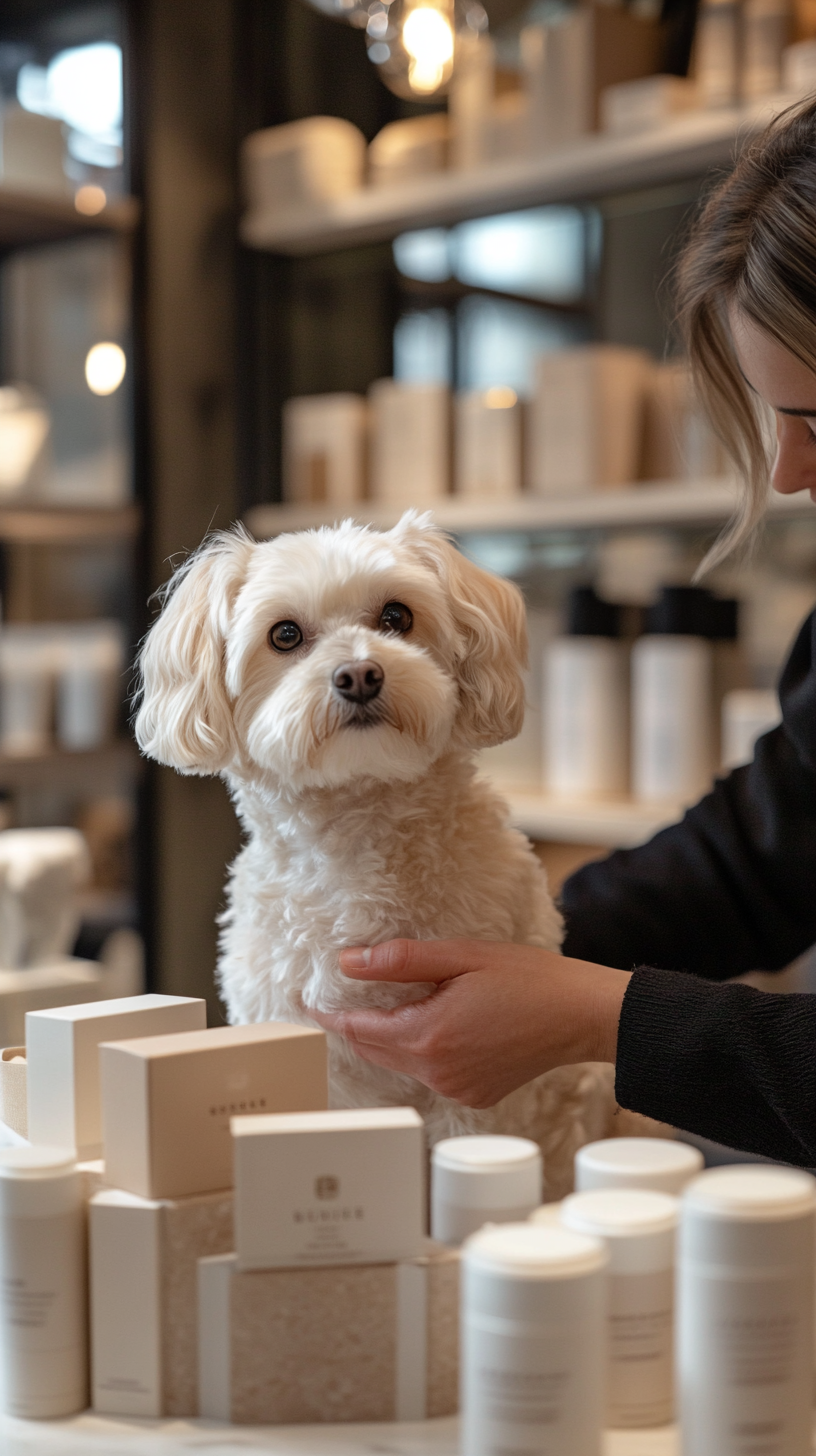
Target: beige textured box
<point x="63" y="1060"/>
<point x="13" y="1108"/>
<point x="62" y="982"/>
<point x="343" y="1187"/>
<point x="144" y="1298"/>
<point x="376" y="1342"/>
<point x="167" y="1100"/>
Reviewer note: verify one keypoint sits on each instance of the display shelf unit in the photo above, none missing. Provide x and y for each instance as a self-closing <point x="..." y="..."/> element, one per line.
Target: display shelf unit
<point x="63" y="526"/>
<point x="98" y="766"/>
<point x="28" y="216"/>
<point x="613" y="824"/>
<point x="595" y="166"/>
<point x="703" y="503"/>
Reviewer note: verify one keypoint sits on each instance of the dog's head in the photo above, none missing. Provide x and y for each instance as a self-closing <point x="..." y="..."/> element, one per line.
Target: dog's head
<point x="330" y="656"/>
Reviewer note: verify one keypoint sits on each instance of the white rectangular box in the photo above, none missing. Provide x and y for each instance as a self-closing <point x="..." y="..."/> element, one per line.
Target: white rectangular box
<point x="324" y="449"/>
<point x="649" y="102"/>
<point x="586" y="421"/>
<point x="63" y="1060"/>
<point x="144" y="1298"/>
<point x="167" y="1100"/>
<point x="302" y="163"/>
<point x="61" y="982"/>
<point x="371" y="1343"/>
<point x="329" y="1187"/>
<point x="417" y="147"/>
<point x="410" y="442"/>
<point x="488" y="442"/>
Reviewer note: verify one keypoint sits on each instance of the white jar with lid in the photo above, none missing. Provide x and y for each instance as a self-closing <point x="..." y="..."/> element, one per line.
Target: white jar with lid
<point x="639" y="1230"/>
<point x="479" y="1180"/>
<point x="533" y="1342"/>
<point x="43" y="1318"/>
<point x="745" y="1318"/>
<point x="661" y="1164"/>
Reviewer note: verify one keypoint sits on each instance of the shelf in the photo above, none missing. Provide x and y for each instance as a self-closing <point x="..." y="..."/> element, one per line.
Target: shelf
<point x="704" y="503"/>
<point x="95" y="770"/>
<point x="615" y="825"/>
<point x="63" y="525"/>
<point x="28" y="216"/>
<point x="596" y="166"/>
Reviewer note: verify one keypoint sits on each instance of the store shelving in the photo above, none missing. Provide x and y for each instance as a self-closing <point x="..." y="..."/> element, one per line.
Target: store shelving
<point x="28" y="216"/>
<point x="56" y="768"/>
<point x="64" y="525"/>
<point x="613" y="824"/>
<point x="703" y="503"/>
<point x="595" y="166"/>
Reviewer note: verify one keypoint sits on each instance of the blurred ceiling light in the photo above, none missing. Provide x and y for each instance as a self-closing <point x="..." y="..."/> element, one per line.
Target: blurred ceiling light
<point x="90" y="200"/>
<point x="105" y="368"/>
<point x="81" y="86"/>
<point x="501" y="396"/>
<point x="413" y="42"/>
<point x="427" y="36"/>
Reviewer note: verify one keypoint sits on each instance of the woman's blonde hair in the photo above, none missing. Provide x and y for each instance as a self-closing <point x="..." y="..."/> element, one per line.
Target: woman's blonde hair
<point x="753" y="246"/>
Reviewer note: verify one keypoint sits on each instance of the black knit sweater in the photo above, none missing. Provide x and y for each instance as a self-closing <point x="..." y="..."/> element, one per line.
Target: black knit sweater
<point x="730" y="889"/>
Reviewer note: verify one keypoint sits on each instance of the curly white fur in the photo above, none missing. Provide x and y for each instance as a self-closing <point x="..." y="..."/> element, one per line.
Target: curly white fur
<point x="363" y="822"/>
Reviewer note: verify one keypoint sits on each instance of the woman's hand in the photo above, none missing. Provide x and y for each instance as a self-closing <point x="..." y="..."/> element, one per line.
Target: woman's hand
<point x="500" y="1016"/>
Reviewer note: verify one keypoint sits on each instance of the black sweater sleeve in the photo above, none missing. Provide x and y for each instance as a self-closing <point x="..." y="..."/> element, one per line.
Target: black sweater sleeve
<point x="733" y="887"/>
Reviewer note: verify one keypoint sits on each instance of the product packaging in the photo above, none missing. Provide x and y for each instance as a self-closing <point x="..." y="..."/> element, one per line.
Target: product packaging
<point x="403" y="150"/>
<point x="324" y="449"/>
<point x="660" y="1164"/>
<point x="799" y="68"/>
<point x="679" y="443"/>
<point x="41" y="873"/>
<point x="488" y="442"/>
<point x="26" y="691"/>
<point x="645" y="104"/>
<point x="534" y="1313"/>
<point x="13" y="1104"/>
<point x="745" y="1312"/>
<point x="717" y="52"/>
<point x="471" y="94"/>
<point x="63" y="1061"/>
<point x="586" y="740"/>
<point x="302" y="164"/>
<point x="377" y="1342"/>
<point x="638" y="1229"/>
<point x="61" y="983"/>
<point x="410" y="442"/>
<point x="33" y="151"/>
<point x="673" y="718"/>
<point x="89" y="685"/>
<point x="479" y="1180"/>
<point x="586" y="420"/>
<point x="747" y="713"/>
<point x="144" y="1298"/>
<point x="766" y="30"/>
<point x="43" y="1314"/>
<point x="167" y="1100"/>
<point x="341" y="1187"/>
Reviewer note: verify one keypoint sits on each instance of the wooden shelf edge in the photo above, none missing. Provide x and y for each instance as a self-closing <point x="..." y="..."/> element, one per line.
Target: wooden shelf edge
<point x="620" y="824"/>
<point x="28" y="215"/>
<point x="119" y="756"/>
<point x="45" y="525"/>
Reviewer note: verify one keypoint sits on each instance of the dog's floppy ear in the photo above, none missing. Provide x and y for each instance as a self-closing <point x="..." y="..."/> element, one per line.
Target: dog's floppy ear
<point x="184" y="716"/>
<point x="492" y="623"/>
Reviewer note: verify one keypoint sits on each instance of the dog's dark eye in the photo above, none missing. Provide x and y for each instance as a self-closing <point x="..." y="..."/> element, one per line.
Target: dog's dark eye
<point x="285" y="636"/>
<point x="396" y="618"/>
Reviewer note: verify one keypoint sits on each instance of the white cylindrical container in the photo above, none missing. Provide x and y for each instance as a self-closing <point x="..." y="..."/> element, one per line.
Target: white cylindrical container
<point x="717" y="52"/>
<point x="585" y="718"/>
<point x="766" y="28"/>
<point x="659" y="1164"/>
<point x="638" y="1228"/>
<point x="745" y="1316"/>
<point x="672" y="749"/>
<point x="89" y="688"/>
<point x="533" y="1342"/>
<point x="479" y="1180"/>
<point x="26" y="683"/>
<point x="43" y="1316"/>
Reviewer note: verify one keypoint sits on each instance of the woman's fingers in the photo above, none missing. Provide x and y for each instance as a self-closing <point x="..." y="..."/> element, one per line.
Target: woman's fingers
<point x="425" y="960"/>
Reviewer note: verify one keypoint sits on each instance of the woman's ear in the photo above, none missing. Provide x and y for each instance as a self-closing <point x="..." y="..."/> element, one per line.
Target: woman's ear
<point x="491" y="621"/>
<point x="185" y="716"/>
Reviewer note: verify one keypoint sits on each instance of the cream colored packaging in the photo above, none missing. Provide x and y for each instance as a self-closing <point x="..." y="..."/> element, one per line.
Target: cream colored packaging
<point x="766" y="30"/>
<point x="417" y="147"/>
<point x="471" y="98"/>
<point x="13" y="1104"/>
<point x="673" y="751"/>
<point x="302" y="163"/>
<point x="167" y="1100"/>
<point x="63" y="1061"/>
<point x="488" y="443"/>
<point x="375" y="1342"/>
<point x="324" y="449"/>
<point x="647" y="103"/>
<point x="410" y="442"/>
<point x="745" y="1312"/>
<point x="144" y="1298"/>
<point x="329" y="1187"/>
<point x="638" y="1229"/>
<point x="717" y="52"/>
<point x="586" y="718"/>
<point x="661" y="1164"/>
<point x="586" y="420"/>
<point x="43" y="1314"/>
<point x="479" y="1180"/>
<point x="63" y="982"/>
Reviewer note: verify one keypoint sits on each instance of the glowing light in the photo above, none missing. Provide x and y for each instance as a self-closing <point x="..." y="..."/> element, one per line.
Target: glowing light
<point x="90" y="200"/>
<point x="105" y="368"/>
<point x="427" y="36"/>
<point x="501" y="396"/>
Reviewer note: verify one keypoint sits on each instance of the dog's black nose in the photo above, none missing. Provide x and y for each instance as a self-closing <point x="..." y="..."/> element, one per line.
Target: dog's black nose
<point x="358" y="682"/>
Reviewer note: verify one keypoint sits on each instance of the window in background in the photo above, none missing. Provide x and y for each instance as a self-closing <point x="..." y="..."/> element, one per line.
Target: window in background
<point x="539" y="254"/>
<point x="498" y="341"/>
<point x="81" y="86"/>
<point x="423" y="347"/>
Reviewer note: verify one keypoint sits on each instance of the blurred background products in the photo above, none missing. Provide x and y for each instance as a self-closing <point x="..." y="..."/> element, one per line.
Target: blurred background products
<point x="25" y="428"/>
<point x="417" y="147"/>
<point x="488" y="448"/>
<point x="585" y="703"/>
<point x="587" y="420"/>
<point x="324" y="446"/>
<point x="304" y="163"/>
<point x="59" y="683"/>
<point x="410" y="442"/>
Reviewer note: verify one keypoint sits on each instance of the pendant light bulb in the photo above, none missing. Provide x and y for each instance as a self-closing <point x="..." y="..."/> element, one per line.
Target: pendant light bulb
<point x="413" y="42"/>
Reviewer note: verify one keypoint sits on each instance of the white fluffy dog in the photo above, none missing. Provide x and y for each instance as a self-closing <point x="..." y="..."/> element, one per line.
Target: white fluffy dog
<point x="341" y="681"/>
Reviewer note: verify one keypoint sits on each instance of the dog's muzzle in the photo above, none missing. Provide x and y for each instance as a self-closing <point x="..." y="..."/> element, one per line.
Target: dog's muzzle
<point x="358" y="682"/>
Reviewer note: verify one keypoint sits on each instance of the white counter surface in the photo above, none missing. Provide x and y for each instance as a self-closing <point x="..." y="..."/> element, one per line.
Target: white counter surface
<point x="89" y="1435"/>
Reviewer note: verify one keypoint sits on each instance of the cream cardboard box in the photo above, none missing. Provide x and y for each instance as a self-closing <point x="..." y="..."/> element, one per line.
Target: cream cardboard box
<point x="13" y="1107"/>
<point x="329" y="1187"/>
<point x="60" y="982"/>
<point x="63" y="1060"/>
<point x="376" y="1342"/>
<point x="143" y="1257"/>
<point x="167" y="1100"/>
